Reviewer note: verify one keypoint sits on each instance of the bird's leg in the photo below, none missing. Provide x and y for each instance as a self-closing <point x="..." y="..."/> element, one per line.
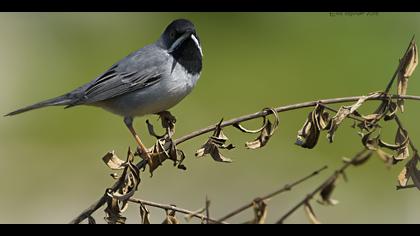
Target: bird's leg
<point x="144" y="153"/>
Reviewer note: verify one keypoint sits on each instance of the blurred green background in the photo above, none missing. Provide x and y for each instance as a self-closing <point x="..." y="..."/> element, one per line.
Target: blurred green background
<point x="51" y="167"/>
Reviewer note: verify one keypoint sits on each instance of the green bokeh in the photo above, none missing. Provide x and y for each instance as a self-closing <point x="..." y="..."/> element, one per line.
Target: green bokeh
<point x="50" y="159"/>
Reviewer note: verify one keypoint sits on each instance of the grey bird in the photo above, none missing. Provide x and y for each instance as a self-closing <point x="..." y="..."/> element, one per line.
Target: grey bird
<point x="148" y="81"/>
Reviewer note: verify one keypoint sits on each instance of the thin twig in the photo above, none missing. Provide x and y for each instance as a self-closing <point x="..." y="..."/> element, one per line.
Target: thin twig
<point x="287" y="187"/>
<point x="285" y="109"/>
<point x="320" y="187"/>
<point x="174" y="208"/>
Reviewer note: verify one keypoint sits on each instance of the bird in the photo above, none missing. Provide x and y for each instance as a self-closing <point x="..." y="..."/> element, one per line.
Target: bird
<point x="150" y="80"/>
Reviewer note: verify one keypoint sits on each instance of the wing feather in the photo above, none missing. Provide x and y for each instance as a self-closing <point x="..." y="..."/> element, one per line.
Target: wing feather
<point x="137" y="71"/>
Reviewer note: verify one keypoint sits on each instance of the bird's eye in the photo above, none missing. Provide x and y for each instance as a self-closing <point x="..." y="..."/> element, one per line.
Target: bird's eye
<point x="172" y="35"/>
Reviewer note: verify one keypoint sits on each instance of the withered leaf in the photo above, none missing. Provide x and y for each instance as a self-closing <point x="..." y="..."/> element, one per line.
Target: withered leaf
<point x="163" y="150"/>
<point x="126" y="186"/>
<point x="216" y="141"/>
<point x="112" y="161"/>
<point x="310" y="214"/>
<point x="263" y="138"/>
<point x="402" y="140"/>
<point x="170" y="218"/>
<point x="91" y="220"/>
<point x="248" y="131"/>
<point x="343" y="113"/>
<point x="327" y="192"/>
<point x="260" y="212"/>
<point x="413" y="171"/>
<point x="360" y="158"/>
<point x="403" y="177"/>
<point x="267" y="131"/>
<point x="213" y="150"/>
<point x="144" y="214"/>
<point x="113" y="213"/>
<point x="409" y="64"/>
<point x="370" y="143"/>
<point x="387" y="158"/>
<point x="392" y="110"/>
<point x="308" y="135"/>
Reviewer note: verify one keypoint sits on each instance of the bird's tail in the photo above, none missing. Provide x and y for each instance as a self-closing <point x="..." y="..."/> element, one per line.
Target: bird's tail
<point x="57" y="101"/>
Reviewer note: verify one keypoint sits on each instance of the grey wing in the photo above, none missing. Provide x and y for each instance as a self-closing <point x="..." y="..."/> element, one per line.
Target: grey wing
<point x="137" y="71"/>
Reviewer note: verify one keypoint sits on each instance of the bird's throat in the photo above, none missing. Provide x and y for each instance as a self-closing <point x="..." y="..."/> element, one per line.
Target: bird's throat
<point x="188" y="54"/>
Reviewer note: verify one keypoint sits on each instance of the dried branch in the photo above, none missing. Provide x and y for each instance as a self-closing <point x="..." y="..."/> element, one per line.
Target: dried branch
<point x="95" y="206"/>
<point x="320" y="188"/>
<point x="286" y="109"/>
<point x="176" y="209"/>
<point x="287" y="187"/>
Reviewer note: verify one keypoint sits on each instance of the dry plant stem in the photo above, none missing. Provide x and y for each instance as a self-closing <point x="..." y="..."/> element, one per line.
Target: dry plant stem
<point x="95" y="206"/>
<point x="317" y="190"/>
<point x="391" y="82"/>
<point x="285" y="109"/>
<point x="287" y="187"/>
<point x="173" y="208"/>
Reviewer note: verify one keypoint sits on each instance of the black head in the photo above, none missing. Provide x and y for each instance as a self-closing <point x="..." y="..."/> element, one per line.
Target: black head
<point x="182" y="42"/>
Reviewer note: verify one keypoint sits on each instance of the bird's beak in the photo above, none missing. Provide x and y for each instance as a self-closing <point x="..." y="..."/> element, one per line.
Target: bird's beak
<point x="181" y="39"/>
<point x="197" y="43"/>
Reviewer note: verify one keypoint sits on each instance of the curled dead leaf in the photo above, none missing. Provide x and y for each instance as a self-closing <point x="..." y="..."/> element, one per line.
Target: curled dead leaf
<point x="327" y="192"/>
<point x="344" y="112"/>
<point x="360" y="159"/>
<point x="387" y="158"/>
<point x="409" y="63"/>
<point x="91" y="220"/>
<point x="403" y="177"/>
<point x="370" y="143"/>
<point x="260" y="212"/>
<point x="112" y="161"/>
<point x="216" y="141"/>
<point x="170" y="218"/>
<point x="144" y="214"/>
<point x="317" y="121"/>
<point x="163" y="150"/>
<point x="113" y="212"/>
<point x="311" y="214"/>
<point x="402" y="141"/>
<point x="266" y="131"/>
<point x="413" y="172"/>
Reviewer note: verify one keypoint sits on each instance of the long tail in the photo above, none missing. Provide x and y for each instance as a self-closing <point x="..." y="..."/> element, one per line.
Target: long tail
<point x="57" y="101"/>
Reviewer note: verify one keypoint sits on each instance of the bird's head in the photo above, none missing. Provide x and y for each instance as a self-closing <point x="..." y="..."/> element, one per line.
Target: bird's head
<point x="180" y="37"/>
